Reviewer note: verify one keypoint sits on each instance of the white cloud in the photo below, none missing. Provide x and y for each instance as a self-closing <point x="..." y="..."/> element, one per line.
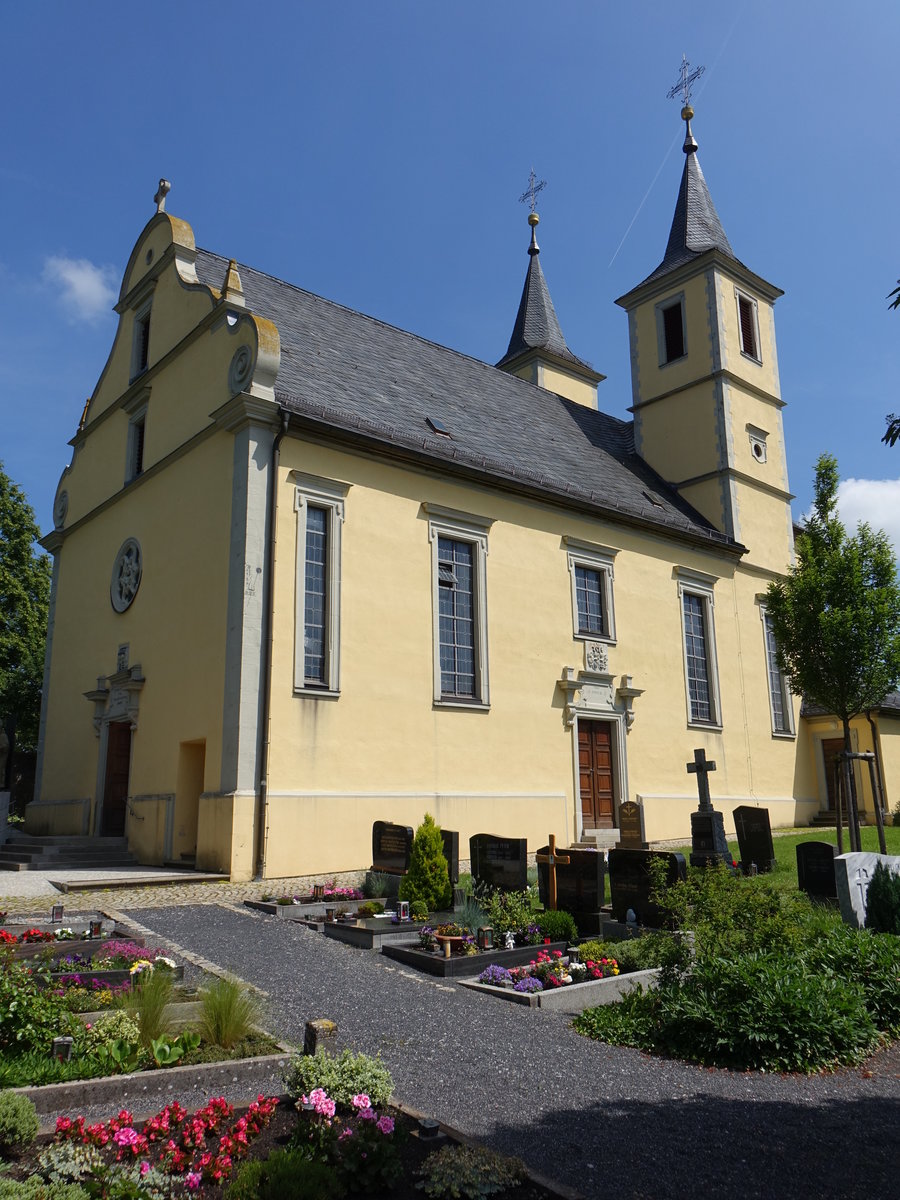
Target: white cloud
<point x="86" y="291"/>
<point x="874" y="500"/>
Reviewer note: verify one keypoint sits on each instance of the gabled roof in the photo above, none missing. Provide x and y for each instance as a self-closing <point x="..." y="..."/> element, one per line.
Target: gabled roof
<point x="537" y="325"/>
<point x="350" y="377"/>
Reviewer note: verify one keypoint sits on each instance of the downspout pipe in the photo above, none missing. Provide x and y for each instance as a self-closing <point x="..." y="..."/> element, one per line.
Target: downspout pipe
<point x="876" y="748"/>
<point x="262" y="826"/>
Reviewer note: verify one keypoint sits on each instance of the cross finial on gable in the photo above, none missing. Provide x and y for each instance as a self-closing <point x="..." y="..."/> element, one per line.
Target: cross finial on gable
<point x="535" y="185"/>
<point x="161" y="192"/>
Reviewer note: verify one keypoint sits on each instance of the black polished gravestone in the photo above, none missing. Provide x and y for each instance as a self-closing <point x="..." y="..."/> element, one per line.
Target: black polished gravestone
<point x="391" y="847"/>
<point x="500" y="863"/>
<point x="754" y="835"/>
<point x="630" y="882"/>
<point x="708" y="844"/>
<point x="580" y="885"/>
<point x="450" y="838"/>
<point x="631" y="826"/>
<point x="815" y="870"/>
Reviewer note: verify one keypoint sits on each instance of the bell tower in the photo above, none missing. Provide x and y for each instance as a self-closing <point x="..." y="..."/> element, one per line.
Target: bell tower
<point x="705" y="388"/>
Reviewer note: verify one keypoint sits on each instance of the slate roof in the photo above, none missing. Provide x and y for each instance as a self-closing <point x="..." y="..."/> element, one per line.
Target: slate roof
<point x="890" y="704"/>
<point x="353" y="377"/>
<point x="695" y="226"/>
<point x="537" y="325"/>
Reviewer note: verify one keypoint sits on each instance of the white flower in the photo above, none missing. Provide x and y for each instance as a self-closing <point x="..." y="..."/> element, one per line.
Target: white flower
<point x="166" y="962"/>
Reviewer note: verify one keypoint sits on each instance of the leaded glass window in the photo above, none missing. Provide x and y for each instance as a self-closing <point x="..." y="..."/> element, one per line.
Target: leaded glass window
<point x="456" y="617"/>
<point x="315" y="622"/>
<point x="778" y="692"/>
<point x="589" y="595"/>
<point x="697" y="658"/>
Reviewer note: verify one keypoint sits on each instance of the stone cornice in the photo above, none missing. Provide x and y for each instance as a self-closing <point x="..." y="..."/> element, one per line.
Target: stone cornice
<point x="697" y="266"/>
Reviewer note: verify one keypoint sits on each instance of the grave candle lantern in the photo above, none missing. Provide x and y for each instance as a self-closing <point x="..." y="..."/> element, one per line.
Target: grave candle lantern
<point x="56" y="914"/>
<point x="485" y="937"/>
<point x="318" y="891"/>
<point x="96" y="929"/>
<point x="62" y="1048"/>
<point x="329" y="914"/>
<point x="403" y="910"/>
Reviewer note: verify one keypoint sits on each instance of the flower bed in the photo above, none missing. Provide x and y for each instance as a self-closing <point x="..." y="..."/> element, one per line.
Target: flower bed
<point x="553" y="981"/>
<point x="460" y="965"/>
<point x="111" y="964"/>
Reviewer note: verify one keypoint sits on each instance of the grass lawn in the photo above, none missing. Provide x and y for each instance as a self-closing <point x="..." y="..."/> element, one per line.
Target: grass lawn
<point x="785" y="873"/>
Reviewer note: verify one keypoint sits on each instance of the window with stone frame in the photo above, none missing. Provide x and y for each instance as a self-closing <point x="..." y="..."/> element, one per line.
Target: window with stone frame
<point x="319" y="505"/>
<point x="699" y="643"/>
<point x="591" y="573"/>
<point x="781" y="706"/>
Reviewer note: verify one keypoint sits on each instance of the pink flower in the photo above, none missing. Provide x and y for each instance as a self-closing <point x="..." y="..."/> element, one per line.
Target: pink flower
<point x="385" y="1125"/>
<point x="125" y="1137"/>
<point x="145" y="1167"/>
<point x="193" y="1180"/>
<point x="366" y="1114"/>
<point x="362" y="1101"/>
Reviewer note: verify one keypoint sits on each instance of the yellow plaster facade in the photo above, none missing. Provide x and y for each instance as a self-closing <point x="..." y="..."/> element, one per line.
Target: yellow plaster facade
<point x="179" y="706"/>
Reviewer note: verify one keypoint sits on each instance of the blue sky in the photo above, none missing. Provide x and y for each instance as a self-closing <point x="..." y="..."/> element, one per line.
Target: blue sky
<point x="374" y="153"/>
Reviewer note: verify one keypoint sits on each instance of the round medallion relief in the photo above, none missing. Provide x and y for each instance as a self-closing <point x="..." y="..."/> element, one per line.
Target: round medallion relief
<point x="60" y="509"/>
<point x="126" y="575"/>
<point x="241" y="370"/>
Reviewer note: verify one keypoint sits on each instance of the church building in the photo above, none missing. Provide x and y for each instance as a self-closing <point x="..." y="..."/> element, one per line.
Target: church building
<point x="312" y="571"/>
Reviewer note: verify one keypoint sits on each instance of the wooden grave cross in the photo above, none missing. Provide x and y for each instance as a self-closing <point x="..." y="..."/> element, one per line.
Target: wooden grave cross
<point x="701" y="768"/>
<point x="551" y="860"/>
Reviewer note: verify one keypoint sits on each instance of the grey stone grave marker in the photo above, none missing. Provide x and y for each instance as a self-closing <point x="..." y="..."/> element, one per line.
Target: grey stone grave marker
<point x="815" y="870"/>
<point x="708" y="844"/>
<point x="631" y="826"/>
<point x="754" y="835"/>
<point x="580" y="886"/>
<point x="853" y="873"/>
<point x="630" y="882"/>
<point x="500" y="863"/>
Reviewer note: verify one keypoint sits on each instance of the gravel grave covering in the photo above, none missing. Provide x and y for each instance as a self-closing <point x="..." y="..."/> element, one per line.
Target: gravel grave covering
<point x="599" y="1118"/>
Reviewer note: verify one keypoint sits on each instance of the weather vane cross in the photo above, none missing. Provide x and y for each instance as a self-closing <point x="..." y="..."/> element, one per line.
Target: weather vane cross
<point x="684" y="83"/>
<point x="534" y="186"/>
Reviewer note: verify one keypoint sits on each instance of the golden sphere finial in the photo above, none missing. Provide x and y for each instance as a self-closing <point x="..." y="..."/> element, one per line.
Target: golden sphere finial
<point x="687" y="113"/>
<point x="533" y="219"/>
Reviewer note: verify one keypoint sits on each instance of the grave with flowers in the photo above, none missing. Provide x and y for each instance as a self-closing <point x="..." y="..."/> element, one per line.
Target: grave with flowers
<point x="561" y="982"/>
<point x="30" y="938"/>
<point x="110" y="963"/>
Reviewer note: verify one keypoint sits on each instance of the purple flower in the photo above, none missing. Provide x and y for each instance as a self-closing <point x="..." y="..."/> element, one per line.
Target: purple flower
<point x="528" y="984"/>
<point x="495" y="975"/>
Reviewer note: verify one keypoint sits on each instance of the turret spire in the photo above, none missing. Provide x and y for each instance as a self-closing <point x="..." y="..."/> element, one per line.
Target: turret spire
<point x="696" y="227"/>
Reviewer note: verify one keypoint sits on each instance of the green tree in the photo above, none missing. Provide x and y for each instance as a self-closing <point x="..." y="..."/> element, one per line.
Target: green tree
<point x="427" y="878"/>
<point x="836" y="617"/>
<point x="24" y="602"/>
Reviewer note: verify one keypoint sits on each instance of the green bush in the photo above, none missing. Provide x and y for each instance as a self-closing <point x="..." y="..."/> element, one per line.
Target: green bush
<point x="19" y="1123"/>
<point x="471" y="916"/>
<point x="470" y="1172"/>
<point x="109" y="1028"/>
<point x="558" y="926"/>
<point x="37" y="1189"/>
<point x="285" y="1175"/>
<point x="427" y="879"/>
<point x="758" y="1011"/>
<point x="370" y="908"/>
<point x="883" y="901"/>
<point x="30" y="1018"/>
<point x="508" y="911"/>
<point x="418" y="910"/>
<point x="229" y="1011"/>
<point x="870" y="959"/>
<point x="342" y="1076"/>
<point x="35" y="1067"/>
<point x="376" y="883"/>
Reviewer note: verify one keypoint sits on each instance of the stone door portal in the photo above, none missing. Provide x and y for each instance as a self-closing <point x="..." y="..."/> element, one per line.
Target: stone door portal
<point x="115" y="786"/>
<point x="831" y="748"/>
<point x="595" y="774"/>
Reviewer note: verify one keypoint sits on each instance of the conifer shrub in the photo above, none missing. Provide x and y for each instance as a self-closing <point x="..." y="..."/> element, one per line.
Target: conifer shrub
<point x="427" y="879"/>
<point x="558" y="925"/>
<point x="19" y="1123"/>
<point x="883" y="901"/>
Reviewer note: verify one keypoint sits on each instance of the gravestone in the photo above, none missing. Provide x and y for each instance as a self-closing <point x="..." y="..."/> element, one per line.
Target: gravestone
<point x="708" y="844"/>
<point x="391" y="847"/>
<point x="754" y="835"/>
<point x="631" y="826"/>
<point x="630" y="882"/>
<point x="450" y="838"/>
<point x="580" y="886"/>
<point x="853" y="873"/>
<point x="815" y="870"/>
<point x="500" y="863"/>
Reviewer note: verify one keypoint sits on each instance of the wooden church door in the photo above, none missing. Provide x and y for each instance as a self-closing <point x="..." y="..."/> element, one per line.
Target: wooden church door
<point x="595" y="774"/>
<point x="115" y="788"/>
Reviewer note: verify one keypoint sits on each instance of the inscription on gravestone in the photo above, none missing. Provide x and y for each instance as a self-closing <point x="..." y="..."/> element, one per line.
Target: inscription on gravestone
<point x="391" y="846"/>
<point x="854" y="874"/>
<point x="631" y="826"/>
<point x="754" y="835"/>
<point x="815" y="869"/>
<point x="630" y="882"/>
<point x="500" y="863"/>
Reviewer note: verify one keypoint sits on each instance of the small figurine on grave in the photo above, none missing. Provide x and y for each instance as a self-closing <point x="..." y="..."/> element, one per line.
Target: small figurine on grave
<point x="510" y="940"/>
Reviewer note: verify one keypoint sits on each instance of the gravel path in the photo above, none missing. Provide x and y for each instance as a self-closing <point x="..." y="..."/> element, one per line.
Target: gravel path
<point x="605" y="1120"/>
